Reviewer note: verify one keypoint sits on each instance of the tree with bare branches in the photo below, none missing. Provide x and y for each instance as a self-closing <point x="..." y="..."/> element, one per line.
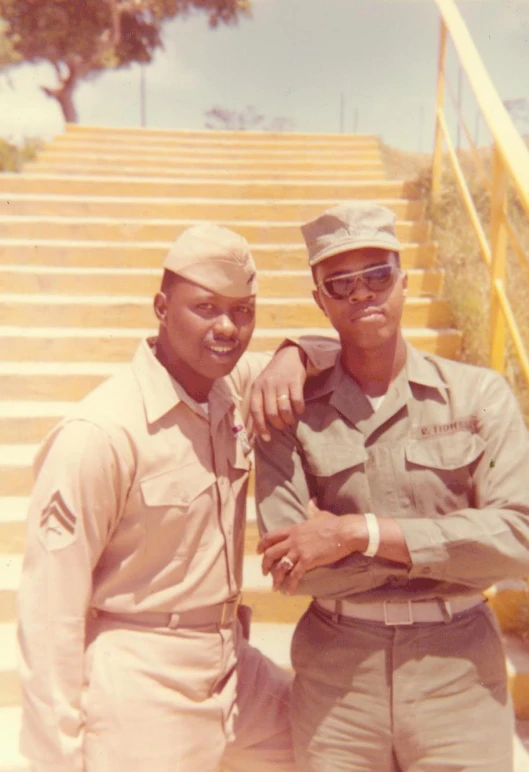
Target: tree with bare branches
<point x="82" y="38"/>
<point x="247" y="119"/>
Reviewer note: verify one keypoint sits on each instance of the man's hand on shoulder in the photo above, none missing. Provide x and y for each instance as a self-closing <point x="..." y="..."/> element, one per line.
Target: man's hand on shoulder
<point x="277" y="393"/>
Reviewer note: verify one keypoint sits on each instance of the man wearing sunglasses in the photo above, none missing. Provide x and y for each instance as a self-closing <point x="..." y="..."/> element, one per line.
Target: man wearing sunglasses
<point x="399" y="664"/>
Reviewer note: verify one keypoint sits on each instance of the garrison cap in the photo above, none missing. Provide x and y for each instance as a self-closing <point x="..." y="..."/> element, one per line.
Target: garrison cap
<point x="347" y="226"/>
<point x="216" y="258"/>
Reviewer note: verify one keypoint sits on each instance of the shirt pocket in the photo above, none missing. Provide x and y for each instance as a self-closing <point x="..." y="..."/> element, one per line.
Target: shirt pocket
<point x="338" y="472"/>
<point x="180" y="510"/>
<point x="441" y="471"/>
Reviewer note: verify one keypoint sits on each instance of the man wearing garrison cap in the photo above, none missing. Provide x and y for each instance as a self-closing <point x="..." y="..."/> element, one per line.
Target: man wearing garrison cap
<point x="133" y="654"/>
<point x="395" y="500"/>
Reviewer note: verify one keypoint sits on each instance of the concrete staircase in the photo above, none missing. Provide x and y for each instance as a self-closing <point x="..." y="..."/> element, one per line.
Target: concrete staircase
<point x="83" y="232"/>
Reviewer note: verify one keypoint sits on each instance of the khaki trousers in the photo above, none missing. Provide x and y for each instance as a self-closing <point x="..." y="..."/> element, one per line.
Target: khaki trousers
<point x="182" y="701"/>
<point x="424" y="698"/>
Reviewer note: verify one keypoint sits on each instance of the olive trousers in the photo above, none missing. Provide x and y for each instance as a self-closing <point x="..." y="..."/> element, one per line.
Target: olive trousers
<point x="420" y="698"/>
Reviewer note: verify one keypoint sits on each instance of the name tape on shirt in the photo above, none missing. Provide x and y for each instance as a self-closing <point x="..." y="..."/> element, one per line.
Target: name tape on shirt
<point x="450" y="427"/>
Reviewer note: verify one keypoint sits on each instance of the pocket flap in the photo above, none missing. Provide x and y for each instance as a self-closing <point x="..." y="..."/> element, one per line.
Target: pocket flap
<point x="176" y="487"/>
<point x="240" y="456"/>
<point x="451" y="452"/>
<point x="333" y="458"/>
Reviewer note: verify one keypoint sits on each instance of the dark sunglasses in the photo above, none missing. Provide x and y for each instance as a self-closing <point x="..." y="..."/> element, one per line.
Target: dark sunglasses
<point x="377" y="279"/>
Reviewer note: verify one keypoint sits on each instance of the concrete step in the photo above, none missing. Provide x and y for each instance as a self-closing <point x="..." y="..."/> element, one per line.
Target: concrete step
<point x="200" y="151"/>
<point x="222" y="139"/>
<point x="215" y="161"/>
<point x="28" y="421"/>
<point x="29" y="279"/>
<point x="116" y="229"/>
<point x="10" y="758"/>
<point x="162" y="170"/>
<point x="131" y="311"/>
<point x="9" y="684"/>
<point x="42" y="381"/>
<point x="210" y="187"/>
<point x="134" y="254"/>
<point x="10" y="571"/>
<point x="16" y="470"/>
<point x="199" y="208"/>
<point x="59" y="344"/>
<point x="13" y="510"/>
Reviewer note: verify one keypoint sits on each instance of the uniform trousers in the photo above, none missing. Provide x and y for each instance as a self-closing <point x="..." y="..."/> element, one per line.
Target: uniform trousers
<point x="184" y="700"/>
<point x="419" y="698"/>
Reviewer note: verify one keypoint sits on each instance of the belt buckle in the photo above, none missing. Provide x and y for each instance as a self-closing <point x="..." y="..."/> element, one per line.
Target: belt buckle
<point x="398" y="622"/>
<point x="174" y="620"/>
<point x="228" y="604"/>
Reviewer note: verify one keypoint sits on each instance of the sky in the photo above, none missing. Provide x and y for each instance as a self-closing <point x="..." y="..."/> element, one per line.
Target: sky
<point x="326" y="65"/>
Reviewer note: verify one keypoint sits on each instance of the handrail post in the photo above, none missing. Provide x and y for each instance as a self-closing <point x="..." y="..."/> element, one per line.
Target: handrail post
<point x="437" y="162"/>
<point x="498" y="246"/>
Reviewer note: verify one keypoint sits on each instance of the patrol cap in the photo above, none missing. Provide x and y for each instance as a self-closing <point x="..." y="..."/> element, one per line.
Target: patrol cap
<point x="216" y="258"/>
<point x="350" y="225"/>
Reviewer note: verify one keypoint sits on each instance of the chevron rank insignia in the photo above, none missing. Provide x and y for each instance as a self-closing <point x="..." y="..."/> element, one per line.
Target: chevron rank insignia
<point x="57" y="524"/>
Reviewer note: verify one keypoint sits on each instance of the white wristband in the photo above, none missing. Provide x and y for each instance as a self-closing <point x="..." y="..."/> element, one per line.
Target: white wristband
<point x="373" y="531"/>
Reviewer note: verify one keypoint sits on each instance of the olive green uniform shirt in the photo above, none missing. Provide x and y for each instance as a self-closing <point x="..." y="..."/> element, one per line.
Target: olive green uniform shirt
<point x="446" y="453"/>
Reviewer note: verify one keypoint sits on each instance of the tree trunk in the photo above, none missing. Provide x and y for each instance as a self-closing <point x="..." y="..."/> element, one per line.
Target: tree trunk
<point x="65" y="99"/>
<point x="64" y="95"/>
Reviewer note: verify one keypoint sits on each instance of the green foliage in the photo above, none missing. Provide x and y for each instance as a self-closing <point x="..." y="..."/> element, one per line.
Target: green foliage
<point x="467" y="277"/>
<point x="82" y="37"/>
<point x="217" y="11"/>
<point x="56" y="30"/>
<point x="8" y="55"/>
<point x="13" y="157"/>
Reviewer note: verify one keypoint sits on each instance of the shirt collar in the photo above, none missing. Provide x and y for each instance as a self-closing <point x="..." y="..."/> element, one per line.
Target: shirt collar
<point x="419" y="369"/>
<point x="161" y="392"/>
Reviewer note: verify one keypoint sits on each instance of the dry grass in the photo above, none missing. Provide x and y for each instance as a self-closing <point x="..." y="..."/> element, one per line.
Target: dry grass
<point x="13" y="157"/>
<point x="467" y="281"/>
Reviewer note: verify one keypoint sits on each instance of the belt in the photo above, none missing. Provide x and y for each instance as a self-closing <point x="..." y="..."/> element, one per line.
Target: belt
<point x="397" y="613"/>
<point x="221" y="615"/>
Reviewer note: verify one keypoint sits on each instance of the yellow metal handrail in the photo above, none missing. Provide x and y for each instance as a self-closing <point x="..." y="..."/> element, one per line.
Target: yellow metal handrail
<point x="510" y="168"/>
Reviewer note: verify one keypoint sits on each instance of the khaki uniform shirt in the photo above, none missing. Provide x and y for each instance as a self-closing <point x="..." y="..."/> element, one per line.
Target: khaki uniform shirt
<point x="138" y="505"/>
<point x="446" y="453"/>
